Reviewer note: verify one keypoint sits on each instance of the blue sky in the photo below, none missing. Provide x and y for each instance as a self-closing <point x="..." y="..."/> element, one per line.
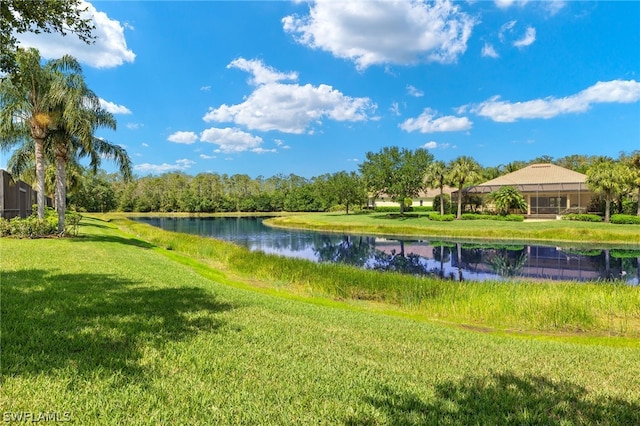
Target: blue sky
<point x="309" y="87"/>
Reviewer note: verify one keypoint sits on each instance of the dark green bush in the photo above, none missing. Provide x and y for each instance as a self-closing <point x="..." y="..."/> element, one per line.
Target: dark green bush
<point x="625" y="219"/>
<point x="506" y="218"/>
<point x="31" y="227"/>
<point x="582" y="217"/>
<point x="442" y="218"/>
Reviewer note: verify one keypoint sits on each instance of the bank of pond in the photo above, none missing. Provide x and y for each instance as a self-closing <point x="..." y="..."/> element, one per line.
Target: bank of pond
<point x="457" y="260"/>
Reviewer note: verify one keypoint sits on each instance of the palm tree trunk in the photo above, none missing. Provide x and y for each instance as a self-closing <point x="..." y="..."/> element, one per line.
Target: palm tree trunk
<point x="459" y="215"/>
<point x="40" y="197"/>
<point x="607" y="210"/>
<point x="61" y="189"/>
<point x="638" y="212"/>
<point x="441" y="201"/>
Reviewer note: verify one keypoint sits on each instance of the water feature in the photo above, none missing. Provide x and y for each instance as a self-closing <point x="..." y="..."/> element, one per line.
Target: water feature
<point x="457" y="260"/>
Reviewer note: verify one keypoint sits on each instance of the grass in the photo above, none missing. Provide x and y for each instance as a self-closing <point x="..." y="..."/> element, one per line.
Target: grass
<point x="543" y="231"/>
<point x="113" y="328"/>
<point x="591" y="309"/>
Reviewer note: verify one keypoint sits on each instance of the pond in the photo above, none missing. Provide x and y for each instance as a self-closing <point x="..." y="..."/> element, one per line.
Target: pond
<point x="455" y="260"/>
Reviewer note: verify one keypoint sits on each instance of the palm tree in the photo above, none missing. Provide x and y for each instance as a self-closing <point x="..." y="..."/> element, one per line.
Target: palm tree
<point x="78" y="115"/>
<point x="507" y="198"/>
<point x="609" y="179"/>
<point x="634" y="164"/>
<point x="437" y="179"/>
<point x="28" y="97"/>
<point x="463" y="170"/>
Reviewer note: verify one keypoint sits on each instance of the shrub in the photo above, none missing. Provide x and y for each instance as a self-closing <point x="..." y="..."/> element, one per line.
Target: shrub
<point x="71" y="223"/>
<point x="442" y="218"/>
<point x="625" y="219"/>
<point x="31" y="227"/>
<point x="447" y="203"/>
<point x="582" y="217"/>
<point x="391" y="209"/>
<point x="505" y="218"/>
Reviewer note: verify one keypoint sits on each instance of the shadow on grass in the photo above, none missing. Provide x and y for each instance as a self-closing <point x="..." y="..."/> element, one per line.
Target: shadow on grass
<point x="93" y="323"/>
<point x="114" y="239"/>
<point x="503" y="399"/>
<point x="398" y="216"/>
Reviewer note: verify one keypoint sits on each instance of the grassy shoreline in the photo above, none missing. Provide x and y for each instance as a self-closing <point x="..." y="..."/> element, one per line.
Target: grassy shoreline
<point x="542" y="231"/>
<point x="584" y="310"/>
<point x="114" y="328"/>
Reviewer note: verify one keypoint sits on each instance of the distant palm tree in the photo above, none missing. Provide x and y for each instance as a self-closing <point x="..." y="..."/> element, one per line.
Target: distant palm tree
<point x="29" y="96"/>
<point x="437" y="179"/>
<point x="462" y="171"/>
<point x="634" y="163"/>
<point x="609" y="179"/>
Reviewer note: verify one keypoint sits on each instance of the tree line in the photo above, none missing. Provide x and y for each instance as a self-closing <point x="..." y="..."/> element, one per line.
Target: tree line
<point x="398" y="173"/>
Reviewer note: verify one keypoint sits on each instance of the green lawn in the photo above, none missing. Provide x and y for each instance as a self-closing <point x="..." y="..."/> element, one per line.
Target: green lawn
<point x="113" y="329"/>
<point x="383" y="223"/>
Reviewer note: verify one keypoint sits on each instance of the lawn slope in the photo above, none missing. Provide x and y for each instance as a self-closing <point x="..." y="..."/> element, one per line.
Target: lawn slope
<point x="109" y="329"/>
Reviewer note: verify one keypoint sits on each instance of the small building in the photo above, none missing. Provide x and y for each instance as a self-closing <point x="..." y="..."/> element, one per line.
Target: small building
<point x="549" y="190"/>
<point x="424" y="198"/>
<point x="16" y="197"/>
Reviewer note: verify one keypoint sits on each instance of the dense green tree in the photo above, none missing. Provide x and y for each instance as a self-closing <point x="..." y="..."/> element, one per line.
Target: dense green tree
<point x="462" y="171"/>
<point x="633" y="162"/>
<point x="346" y="189"/>
<point x="577" y="163"/>
<point x="399" y="173"/>
<point x="96" y="193"/>
<point x="436" y="178"/>
<point x="609" y="179"/>
<point x="20" y="16"/>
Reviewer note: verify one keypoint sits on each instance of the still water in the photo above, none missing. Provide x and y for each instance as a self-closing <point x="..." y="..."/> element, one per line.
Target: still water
<point x="456" y="260"/>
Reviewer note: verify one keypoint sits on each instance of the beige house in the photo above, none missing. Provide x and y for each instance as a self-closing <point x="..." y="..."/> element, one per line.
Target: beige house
<point x="548" y="189"/>
<point x="424" y="198"/>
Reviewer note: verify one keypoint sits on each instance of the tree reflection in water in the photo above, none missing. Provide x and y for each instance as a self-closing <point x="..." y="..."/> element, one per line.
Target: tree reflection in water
<point x="448" y="260"/>
<point x="507" y="264"/>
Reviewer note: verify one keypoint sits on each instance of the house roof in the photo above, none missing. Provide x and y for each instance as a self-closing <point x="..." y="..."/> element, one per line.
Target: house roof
<point x="536" y="177"/>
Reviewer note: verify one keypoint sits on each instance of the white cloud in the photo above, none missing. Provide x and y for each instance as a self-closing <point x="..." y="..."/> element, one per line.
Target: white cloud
<point x="615" y="91"/>
<point x="395" y="109"/>
<point x="205" y="88"/>
<point x="134" y="126"/>
<point x="428" y="123"/>
<point x="147" y="168"/>
<point x="383" y="32"/>
<point x="528" y="38"/>
<point x="146" y="145"/>
<point x="436" y="145"/>
<point x="554" y="6"/>
<point x="263" y="150"/>
<point x="183" y="137"/>
<point x="507" y="27"/>
<point x="289" y="108"/>
<point x="207" y="157"/>
<point x="413" y="91"/>
<point x="489" y="51"/>
<point x="262" y="74"/>
<point x="231" y="140"/>
<point x="109" y="50"/>
<point x="113" y="108"/>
